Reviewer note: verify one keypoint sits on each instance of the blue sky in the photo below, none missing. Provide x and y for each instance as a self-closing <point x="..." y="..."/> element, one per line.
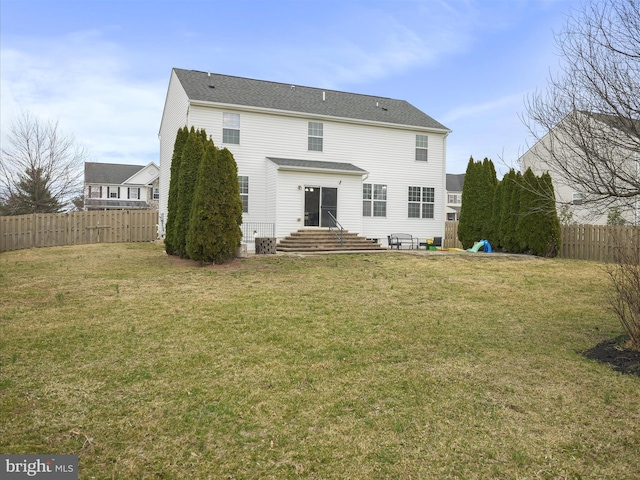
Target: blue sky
<point x="101" y="67"/>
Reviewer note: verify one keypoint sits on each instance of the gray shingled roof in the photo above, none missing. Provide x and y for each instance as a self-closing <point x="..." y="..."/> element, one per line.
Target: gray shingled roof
<point x="109" y="173"/>
<point x="211" y="87"/>
<point x="455" y="182"/>
<point x="316" y="165"/>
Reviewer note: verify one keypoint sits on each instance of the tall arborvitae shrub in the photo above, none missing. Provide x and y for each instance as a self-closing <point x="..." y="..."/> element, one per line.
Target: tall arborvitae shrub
<point x="510" y="223"/>
<point x="506" y="234"/>
<point x="477" y="201"/>
<point x="172" y="200"/>
<point x="529" y="215"/>
<point x="469" y="228"/>
<point x="549" y="242"/>
<point x="204" y="209"/>
<point x="487" y="191"/>
<point x="191" y="157"/>
<point x="496" y="217"/>
<point x="228" y="217"/>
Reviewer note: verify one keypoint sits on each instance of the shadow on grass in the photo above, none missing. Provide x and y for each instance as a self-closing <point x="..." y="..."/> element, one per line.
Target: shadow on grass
<point x="615" y="353"/>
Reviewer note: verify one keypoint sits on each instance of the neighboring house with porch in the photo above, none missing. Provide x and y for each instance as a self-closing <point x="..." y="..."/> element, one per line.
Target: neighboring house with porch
<point x="305" y="154"/>
<point x="114" y="186"/>
<point x="571" y="204"/>
<point x="455" y="182"/>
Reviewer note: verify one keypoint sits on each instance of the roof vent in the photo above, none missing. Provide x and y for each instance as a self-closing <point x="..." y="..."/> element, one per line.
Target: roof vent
<point x="324" y="96"/>
<point x="293" y="87"/>
<point x="212" y="86"/>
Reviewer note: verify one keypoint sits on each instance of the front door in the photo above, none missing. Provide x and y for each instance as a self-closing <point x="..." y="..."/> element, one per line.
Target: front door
<point x="318" y="202"/>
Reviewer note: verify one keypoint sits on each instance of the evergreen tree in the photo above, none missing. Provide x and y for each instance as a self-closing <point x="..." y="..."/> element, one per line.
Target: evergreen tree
<point x="505" y="232"/>
<point x="190" y="163"/>
<point x="487" y="192"/>
<point x="172" y="200"/>
<point x="469" y="228"/>
<point x="496" y="217"/>
<point x="549" y="242"/>
<point x="228" y="218"/>
<point x="510" y="236"/>
<point x="201" y="236"/>
<point x="528" y="219"/>
<point x="32" y="194"/>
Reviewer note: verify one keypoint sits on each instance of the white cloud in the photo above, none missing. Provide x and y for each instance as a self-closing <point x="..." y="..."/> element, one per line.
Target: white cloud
<point x="512" y="102"/>
<point x="85" y="83"/>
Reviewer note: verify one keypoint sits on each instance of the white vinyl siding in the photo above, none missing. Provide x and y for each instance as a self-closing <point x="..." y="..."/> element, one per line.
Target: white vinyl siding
<point x="274" y="194"/>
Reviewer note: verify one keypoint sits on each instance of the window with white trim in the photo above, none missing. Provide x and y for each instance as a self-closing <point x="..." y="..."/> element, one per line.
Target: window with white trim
<point x="315" y="136"/>
<point x="134" y="193"/>
<point x="156" y="193"/>
<point x="113" y="192"/>
<point x="231" y="128"/>
<point x="577" y="198"/>
<point x="455" y="198"/>
<point x="422" y="148"/>
<point x="95" y="191"/>
<point x="374" y="200"/>
<point x="421" y="202"/>
<point x="244" y="192"/>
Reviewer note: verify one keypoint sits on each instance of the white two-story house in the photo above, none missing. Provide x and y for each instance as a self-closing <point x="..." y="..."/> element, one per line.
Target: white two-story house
<point x="116" y="186"/>
<point x="376" y="164"/>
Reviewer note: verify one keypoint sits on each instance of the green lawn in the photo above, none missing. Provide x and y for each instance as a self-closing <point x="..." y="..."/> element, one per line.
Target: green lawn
<point x="340" y="366"/>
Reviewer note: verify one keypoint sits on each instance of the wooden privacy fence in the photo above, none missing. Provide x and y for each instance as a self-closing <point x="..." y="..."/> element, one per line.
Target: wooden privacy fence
<point x="76" y="228"/>
<point x="451" y="235"/>
<point x="580" y="242"/>
<point x="599" y="242"/>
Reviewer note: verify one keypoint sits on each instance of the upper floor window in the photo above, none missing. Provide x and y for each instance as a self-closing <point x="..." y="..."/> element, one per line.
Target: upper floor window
<point x="231" y="128"/>
<point x="421" y="202"/>
<point x="455" y="198"/>
<point x="156" y="193"/>
<point x="134" y="193"/>
<point x="113" y="192"/>
<point x="95" y="191"/>
<point x="315" y="136"/>
<point x="422" y="147"/>
<point x="244" y="192"/>
<point x="577" y="198"/>
<point x="374" y="200"/>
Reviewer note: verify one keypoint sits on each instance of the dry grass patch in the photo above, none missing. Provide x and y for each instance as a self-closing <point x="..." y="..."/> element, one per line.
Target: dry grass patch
<point x="350" y="366"/>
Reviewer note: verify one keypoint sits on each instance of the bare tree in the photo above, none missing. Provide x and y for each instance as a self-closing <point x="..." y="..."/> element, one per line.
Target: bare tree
<point x="587" y="122"/>
<point x="41" y="168"/>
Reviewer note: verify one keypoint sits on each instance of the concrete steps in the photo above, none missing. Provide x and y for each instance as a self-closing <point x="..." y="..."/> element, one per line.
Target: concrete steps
<point x="323" y="240"/>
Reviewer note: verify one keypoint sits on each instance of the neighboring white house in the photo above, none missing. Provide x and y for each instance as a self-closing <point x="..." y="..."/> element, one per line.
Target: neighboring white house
<point x="114" y="186"/>
<point x="377" y="164"/>
<point x="455" y="182"/>
<point x="571" y="199"/>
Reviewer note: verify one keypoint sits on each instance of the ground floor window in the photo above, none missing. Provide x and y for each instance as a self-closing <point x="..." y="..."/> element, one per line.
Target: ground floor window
<point x="244" y="192"/>
<point x="421" y="202"/>
<point x="374" y="200"/>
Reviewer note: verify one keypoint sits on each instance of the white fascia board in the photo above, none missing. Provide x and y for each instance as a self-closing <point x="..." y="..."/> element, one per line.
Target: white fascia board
<point x="288" y="113"/>
<point x="292" y="168"/>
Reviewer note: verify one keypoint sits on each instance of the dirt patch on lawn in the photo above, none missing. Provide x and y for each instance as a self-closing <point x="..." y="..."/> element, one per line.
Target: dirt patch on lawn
<point x="616" y="353"/>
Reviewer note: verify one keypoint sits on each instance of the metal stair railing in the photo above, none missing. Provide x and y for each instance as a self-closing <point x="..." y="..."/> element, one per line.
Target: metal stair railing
<point x="339" y="230"/>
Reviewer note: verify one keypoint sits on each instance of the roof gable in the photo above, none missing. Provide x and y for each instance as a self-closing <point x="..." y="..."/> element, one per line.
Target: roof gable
<point x="144" y="176"/>
<point x="229" y="90"/>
